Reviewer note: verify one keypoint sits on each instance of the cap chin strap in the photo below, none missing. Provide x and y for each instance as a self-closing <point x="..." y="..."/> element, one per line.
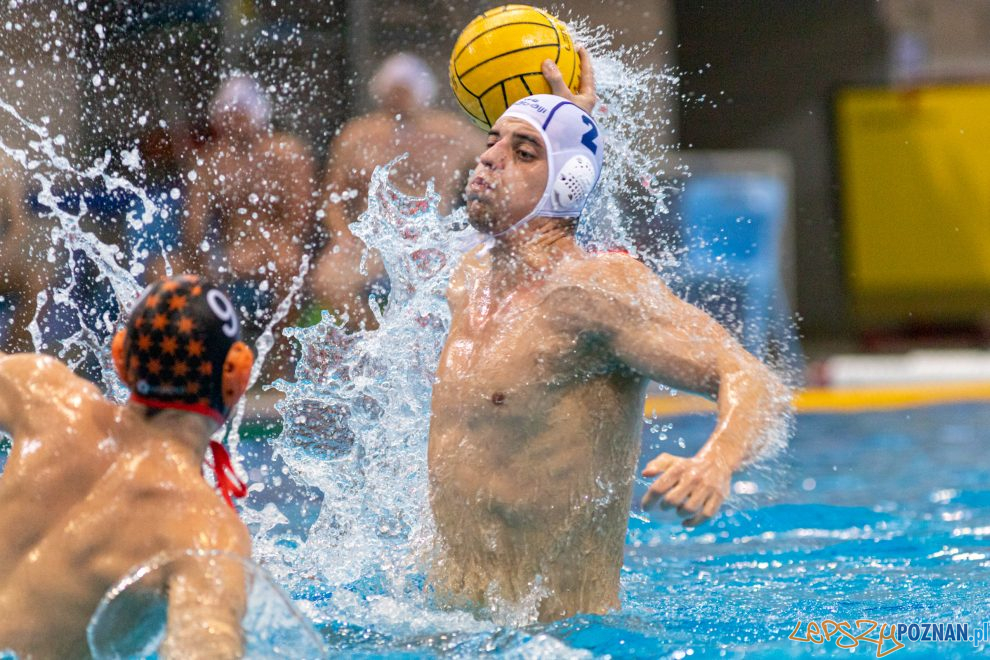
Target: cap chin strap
<point x="228" y="483"/>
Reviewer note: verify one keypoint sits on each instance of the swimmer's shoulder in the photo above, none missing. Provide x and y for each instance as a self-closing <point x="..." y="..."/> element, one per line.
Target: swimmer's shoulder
<point x="31" y="369"/>
<point x="204" y="521"/>
<point x="444" y="123"/>
<point x="360" y="129"/>
<point x="606" y="271"/>
<point x="41" y="382"/>
<point x="474" y="262"/>
<point x="593" y="283"/>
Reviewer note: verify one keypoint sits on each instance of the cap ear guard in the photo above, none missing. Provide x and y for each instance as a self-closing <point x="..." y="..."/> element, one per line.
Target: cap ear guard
<point x="118" y="354"/>
<point x="573" y="184"/>
<point x="236" y="373"/>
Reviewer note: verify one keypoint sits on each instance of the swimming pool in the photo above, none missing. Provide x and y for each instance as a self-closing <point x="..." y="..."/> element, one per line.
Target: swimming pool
<point x="872" y="515"/>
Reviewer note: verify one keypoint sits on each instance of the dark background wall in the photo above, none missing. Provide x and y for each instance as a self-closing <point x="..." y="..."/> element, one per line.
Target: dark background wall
<point x="756" y="74"/>
<point x="767" y="70"/>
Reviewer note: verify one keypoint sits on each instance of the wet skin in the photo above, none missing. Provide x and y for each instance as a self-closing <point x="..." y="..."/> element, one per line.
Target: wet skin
<point x="537" y="404"/>
<point x="91" y="490"/>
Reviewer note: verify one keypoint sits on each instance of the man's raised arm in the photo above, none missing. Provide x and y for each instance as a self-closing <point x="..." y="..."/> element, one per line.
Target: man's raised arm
<point x="653" y="332"/>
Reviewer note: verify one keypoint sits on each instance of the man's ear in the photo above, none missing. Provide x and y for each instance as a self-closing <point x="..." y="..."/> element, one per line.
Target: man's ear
<point x="117" y="352"/>
<point x="236" y="372"/>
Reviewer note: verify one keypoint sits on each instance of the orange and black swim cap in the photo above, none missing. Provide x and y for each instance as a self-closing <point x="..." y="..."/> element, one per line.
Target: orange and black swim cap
<point x="175" y="349"/>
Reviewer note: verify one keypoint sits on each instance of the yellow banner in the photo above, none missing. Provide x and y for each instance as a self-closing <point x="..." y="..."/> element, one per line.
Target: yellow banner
<point x="914" y="168"/>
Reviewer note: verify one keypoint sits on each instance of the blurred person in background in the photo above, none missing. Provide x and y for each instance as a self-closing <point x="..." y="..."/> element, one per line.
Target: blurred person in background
<point x="21" y="276"/>
<point x="441" y="147"/>
<point x="249" y="206"/>
<point x="167" y="154"/>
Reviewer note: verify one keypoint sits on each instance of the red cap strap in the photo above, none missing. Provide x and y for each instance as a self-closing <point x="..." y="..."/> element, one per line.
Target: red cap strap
<point x="227" y="481"/>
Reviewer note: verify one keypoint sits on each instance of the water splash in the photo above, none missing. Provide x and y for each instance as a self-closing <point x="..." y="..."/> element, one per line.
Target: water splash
<point x="356" y="416"/>
<point x="355" y="419"/>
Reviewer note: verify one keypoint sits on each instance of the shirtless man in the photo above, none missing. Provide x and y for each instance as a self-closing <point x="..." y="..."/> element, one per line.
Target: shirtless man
<point x="253" y="188"/>
<point x="538" y="402"/>
<point x="92" y="489"/>
<point x="21" y="277"/>
<point x="441" y="147"/>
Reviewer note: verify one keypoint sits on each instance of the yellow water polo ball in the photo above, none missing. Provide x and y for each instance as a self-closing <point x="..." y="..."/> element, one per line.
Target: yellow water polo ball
<point x="498" y="57"/>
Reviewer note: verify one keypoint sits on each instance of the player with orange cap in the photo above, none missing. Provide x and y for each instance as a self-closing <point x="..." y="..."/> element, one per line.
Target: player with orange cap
<point x="92" y="489"/>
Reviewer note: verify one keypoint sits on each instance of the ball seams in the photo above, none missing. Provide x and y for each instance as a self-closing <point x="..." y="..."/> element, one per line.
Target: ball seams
<point x="493" y="29"/>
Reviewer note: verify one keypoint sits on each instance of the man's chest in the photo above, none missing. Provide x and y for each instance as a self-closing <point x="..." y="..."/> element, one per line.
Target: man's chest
<point x="516" y="353"/>
<point x="245" y="180"/>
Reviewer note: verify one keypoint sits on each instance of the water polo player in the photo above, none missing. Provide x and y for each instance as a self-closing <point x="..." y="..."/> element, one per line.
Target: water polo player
<point x="93" y="489"/>
<point x="538" y="401"/>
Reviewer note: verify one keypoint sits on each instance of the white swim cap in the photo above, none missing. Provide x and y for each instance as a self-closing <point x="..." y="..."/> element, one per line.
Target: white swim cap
<point x="408" y="71"/>
<point x="574" y="149"/>
<point x="242" y="93"/>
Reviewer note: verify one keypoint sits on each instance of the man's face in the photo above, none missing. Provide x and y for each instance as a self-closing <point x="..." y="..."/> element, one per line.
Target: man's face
<point x="510" y="178"/>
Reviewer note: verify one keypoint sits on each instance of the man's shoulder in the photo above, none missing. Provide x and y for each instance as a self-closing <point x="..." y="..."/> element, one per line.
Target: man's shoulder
<point x="26" y="368"/>
<point x="598" y="288"/>
<point x="603" y="271"/>
<point x="365" y="126"/>
<point x="476" y="260"/>
<point x="191" y="512"/>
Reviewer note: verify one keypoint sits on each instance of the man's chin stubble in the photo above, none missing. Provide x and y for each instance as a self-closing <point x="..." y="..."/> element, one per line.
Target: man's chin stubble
<point x="479" y="215"/>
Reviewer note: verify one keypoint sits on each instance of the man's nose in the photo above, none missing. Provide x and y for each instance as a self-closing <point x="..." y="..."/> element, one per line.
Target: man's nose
<point x="492" y="158"/>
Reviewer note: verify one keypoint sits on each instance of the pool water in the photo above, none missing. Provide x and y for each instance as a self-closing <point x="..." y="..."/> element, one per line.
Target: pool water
<point x="877" y="515"/>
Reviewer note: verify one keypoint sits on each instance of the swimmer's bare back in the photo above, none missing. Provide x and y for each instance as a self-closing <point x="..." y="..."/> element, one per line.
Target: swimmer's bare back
<point x="536" y="421"/>
<point x="90" y="490"/>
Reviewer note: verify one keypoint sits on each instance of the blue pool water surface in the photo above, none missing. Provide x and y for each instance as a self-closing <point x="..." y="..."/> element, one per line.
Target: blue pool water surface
<point x="881" y="515"/>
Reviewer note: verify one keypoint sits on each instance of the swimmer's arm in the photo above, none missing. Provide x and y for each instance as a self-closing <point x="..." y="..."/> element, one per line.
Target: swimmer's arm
<point x="297" y="204"/>
<point x="207" y="600"/>
<point x="202" y="621"/>
<point x="656" y="334"/>
<point x="197" y="213"/>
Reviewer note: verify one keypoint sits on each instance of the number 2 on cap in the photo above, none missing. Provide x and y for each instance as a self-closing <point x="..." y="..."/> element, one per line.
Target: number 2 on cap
<point x="224" y="310"/>
<point x="588" y="139"/>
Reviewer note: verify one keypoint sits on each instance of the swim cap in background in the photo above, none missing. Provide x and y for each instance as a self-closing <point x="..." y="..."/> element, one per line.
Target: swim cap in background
<point x="175" y="345"/>
<point x="242" y="93"/>
<point x="574" y="149"/>
<point x="408" y="71"/>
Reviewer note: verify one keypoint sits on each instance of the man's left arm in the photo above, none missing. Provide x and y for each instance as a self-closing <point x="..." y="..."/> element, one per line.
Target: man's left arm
<point x="207" y="600"/>
<point x="658" y="335"/>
